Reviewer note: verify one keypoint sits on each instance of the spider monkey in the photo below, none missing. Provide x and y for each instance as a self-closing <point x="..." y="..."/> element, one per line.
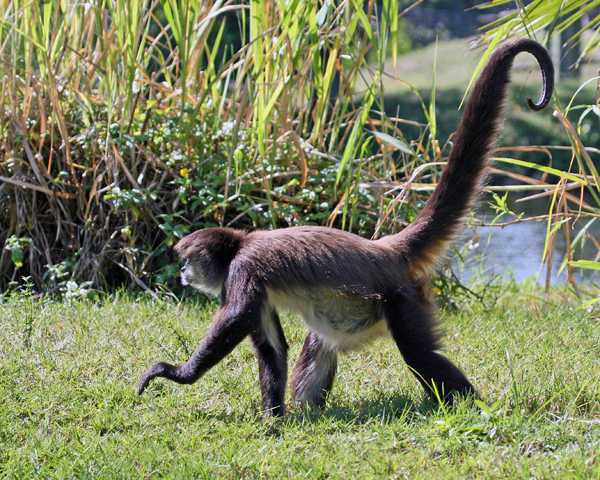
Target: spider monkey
<point x="347" y="289"/>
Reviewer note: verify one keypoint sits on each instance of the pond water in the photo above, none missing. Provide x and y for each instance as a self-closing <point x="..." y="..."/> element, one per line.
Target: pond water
<point x="515" y="251"/>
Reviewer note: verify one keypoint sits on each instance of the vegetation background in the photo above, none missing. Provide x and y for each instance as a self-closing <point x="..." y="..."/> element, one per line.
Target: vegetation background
<point x="125" y="125"/>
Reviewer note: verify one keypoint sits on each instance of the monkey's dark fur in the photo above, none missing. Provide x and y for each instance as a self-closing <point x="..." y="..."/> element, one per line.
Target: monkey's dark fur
<point x="347" y="289"/>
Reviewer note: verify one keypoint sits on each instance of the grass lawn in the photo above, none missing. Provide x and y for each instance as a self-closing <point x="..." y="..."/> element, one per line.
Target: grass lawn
<point x="68" y="406"/>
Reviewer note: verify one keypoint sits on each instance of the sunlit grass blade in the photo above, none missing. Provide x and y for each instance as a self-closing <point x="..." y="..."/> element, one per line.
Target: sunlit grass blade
<point x="586" y="264"/>
<point x="541" y="168"/>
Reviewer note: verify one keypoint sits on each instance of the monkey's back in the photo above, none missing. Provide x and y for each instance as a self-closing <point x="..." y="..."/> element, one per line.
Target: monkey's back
<point x="322" y="257"/>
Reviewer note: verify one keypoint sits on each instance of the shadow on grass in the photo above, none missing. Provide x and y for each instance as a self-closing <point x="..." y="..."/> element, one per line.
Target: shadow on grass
<point x="385" y="409"/>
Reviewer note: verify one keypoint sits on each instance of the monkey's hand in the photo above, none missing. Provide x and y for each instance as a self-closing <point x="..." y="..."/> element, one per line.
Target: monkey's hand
<point x="160" y="369"/>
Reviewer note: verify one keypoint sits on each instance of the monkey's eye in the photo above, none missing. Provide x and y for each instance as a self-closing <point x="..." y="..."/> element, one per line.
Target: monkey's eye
<point x="185" y="265"/>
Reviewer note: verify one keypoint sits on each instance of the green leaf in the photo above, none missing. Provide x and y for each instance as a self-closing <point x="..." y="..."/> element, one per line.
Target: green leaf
<point x="431" y="114"/>
<point x="17" y="256"/>
<point x="322" y="13"/>
<point x="393" y="142"/>
<point x="587" y="264"/>
<point x="356" y="133"/>
<point x="362" y="17"/>
<point x="541" y="168"/>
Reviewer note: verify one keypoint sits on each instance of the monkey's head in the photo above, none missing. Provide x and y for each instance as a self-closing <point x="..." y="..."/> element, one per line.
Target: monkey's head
<point x="206" y="255"/>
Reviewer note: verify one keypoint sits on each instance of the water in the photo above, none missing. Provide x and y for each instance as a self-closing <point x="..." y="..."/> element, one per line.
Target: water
<point x="515" y="251"/>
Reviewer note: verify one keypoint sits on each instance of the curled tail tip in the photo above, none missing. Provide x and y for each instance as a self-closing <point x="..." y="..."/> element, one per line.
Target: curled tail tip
<point x="540" y="104"/>
<point x="438" y="223"/>
<point x="545" y="63"/>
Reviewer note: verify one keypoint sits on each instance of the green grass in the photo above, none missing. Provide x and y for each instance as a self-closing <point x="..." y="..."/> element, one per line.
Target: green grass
<point x="68" y="373"/>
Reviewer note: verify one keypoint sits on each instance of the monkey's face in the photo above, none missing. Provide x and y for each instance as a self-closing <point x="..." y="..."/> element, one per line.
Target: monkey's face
<point x="206" y="255"/>
<point x="202" y="272"/>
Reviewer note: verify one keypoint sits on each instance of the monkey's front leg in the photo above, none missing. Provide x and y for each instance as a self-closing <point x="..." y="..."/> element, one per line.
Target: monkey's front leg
<point x="231" y="325"/>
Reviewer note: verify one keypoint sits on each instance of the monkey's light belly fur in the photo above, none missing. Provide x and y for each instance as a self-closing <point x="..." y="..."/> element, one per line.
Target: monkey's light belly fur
<point x="344" y="322"/>
<point x="349" y="290"/>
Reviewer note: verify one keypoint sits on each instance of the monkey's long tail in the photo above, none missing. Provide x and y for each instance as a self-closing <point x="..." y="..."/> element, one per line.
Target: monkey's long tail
<point x="439" y="221"/>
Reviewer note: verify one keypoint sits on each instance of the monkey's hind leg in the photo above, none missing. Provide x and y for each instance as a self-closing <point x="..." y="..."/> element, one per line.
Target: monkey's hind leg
<point x="271" y="351"/>
<point x="410" y="321"/>
<point x="314" y="372"/>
